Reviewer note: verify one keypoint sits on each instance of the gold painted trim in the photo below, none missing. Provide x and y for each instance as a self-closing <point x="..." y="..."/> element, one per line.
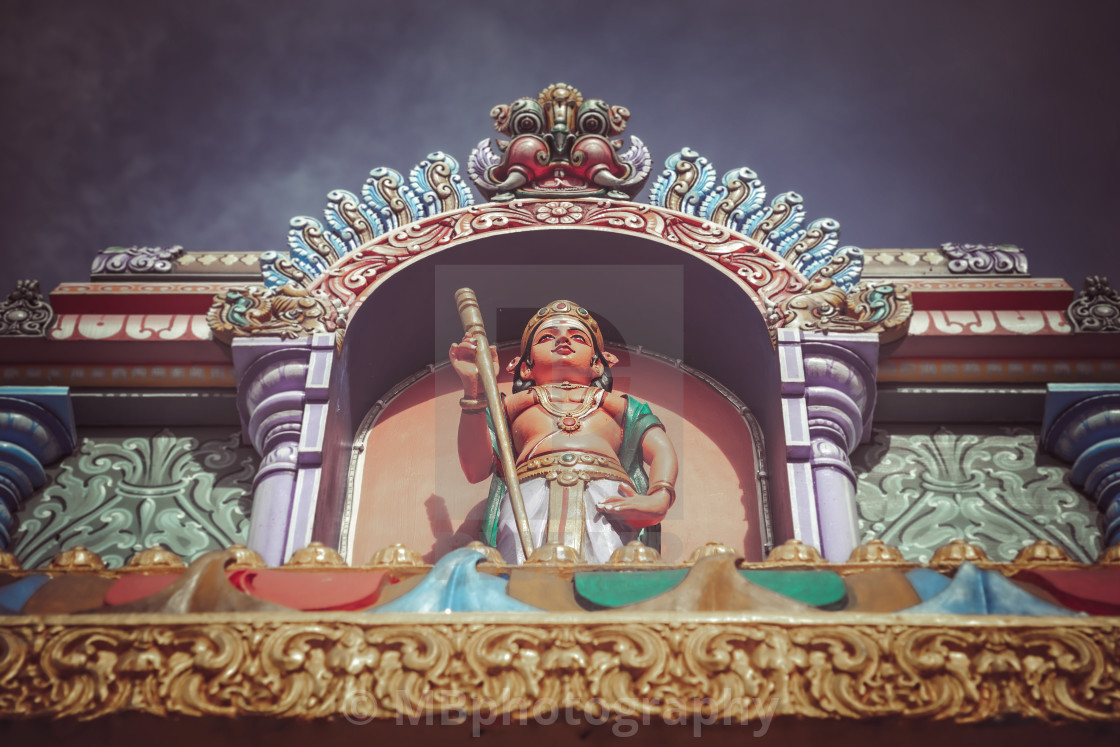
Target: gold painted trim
<point x="723" y="665"/>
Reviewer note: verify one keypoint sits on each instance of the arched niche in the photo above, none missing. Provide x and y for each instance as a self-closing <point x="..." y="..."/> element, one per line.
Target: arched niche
<point x="405" y="465"/>
<point x="658" y="295"/>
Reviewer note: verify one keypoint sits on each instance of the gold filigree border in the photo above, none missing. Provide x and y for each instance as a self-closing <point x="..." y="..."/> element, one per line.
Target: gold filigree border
<point x="735" y="667"/>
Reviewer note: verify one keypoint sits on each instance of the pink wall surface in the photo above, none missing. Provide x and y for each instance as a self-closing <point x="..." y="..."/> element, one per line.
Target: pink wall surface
<point x="410" y="489"/>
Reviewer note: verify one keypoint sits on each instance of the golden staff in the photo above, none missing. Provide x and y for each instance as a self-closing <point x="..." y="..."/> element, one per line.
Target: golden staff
<point x="471" y="316"/>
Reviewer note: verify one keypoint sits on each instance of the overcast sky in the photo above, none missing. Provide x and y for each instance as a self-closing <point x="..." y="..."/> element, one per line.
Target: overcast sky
<point x="209" y="124"/>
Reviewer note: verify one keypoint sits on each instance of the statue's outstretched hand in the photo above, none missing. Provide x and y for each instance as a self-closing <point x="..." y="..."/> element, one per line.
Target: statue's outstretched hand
<point x="463" y="355"/>
<point x="638" y="511"/>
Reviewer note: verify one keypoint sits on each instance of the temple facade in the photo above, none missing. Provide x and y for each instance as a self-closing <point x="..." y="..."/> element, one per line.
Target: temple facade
<point x="234" y="484"/>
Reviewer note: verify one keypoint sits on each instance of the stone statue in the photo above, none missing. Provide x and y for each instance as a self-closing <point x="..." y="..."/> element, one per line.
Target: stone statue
<point x="579" y="447"/>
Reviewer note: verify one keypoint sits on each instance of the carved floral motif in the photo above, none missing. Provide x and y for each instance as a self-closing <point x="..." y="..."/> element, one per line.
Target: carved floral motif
<point x="25" y="313"/>
<point x="918" y="491"/>
<point x="119" y="497"/>
<point x="382" y="669"/>
<point x="1096" y="308"/>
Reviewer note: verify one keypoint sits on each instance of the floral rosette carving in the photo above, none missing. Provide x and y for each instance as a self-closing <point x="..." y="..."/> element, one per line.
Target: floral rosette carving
<point x="288" y="312"/>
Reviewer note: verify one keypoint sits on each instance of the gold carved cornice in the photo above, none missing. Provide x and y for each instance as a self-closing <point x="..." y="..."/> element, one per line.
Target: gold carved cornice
<point x="671" y="666"/>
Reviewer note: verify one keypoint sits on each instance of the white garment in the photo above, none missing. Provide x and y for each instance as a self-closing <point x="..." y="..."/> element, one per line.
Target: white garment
<point x="601" y="536"/>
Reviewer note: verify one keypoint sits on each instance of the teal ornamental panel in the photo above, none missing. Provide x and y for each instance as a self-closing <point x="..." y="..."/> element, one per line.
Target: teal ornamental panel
<point x="119" y="493"/>
<point x="919" y="489"/>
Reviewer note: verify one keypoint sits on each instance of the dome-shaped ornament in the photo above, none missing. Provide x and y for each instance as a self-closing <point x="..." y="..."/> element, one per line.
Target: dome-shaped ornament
<point x="1109" y="556"/>
<point x="155" y="558"/>
<point x="635" y="553"/>
<point x="76" y="559"/>
<point x="491" y="553"/>
<point x="876" y="551"/>
<point x="396" y="555"/>
<point x="708" y="549"/>
<point x="316" y="555"/>
<point x="795" y="552"/>
<point x="552" y="553"/>
<point x="243" y="557"/>
<point x="955" y="553"/>
<point x="1042" y="553"/>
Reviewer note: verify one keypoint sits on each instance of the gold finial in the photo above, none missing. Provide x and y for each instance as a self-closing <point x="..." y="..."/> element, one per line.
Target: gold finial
<point x="1042" y="552"/>
<point x="153" y="559"/>
<point x="552" y="553"/>
<point x="709" y="549"/>
<point x="396" y="554"/>
<point x="243" y="557"/>
<point x="876" y="551"/>
<point x="635" y="553"/>
<point x="316" y="555"/>
<point x="1109" y="556"/>
<point x="76" y="559"/>
<point x="794" y="551"/>
<point x="491" y="553"/>
<point x="955" y="553"/>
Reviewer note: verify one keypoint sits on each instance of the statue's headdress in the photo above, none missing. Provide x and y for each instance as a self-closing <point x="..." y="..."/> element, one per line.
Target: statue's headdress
<point x="571" y="312"/>
<point x="557" y="310"/>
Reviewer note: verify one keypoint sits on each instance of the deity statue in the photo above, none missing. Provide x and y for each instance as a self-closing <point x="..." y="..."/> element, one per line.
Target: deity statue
<point x="579" y="448"/>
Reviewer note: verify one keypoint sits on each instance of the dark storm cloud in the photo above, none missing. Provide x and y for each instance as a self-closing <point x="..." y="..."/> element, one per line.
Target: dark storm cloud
<point x="210" y="124"/>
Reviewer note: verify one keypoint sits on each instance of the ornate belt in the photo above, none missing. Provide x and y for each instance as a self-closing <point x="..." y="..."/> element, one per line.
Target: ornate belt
<point x="569" y="467"/>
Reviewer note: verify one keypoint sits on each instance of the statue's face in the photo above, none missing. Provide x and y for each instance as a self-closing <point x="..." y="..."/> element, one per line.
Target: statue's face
<point x="562" y="350"/>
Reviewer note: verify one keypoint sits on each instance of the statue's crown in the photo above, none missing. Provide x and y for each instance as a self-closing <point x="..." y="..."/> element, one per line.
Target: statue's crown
<point x="566" y="310"/>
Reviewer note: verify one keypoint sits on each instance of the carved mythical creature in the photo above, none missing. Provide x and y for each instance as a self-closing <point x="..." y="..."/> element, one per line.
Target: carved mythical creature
<point x="288" y="311"/>
<point x="560" y="147"/>
<point x="870" y="307"/>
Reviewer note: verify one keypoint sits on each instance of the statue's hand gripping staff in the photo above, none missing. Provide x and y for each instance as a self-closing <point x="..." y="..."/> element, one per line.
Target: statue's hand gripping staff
<point x="471" y="316"/>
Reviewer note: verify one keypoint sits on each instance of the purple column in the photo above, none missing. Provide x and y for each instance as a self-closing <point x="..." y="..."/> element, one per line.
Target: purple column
<point x="36" y="429"/>
<point x="1082" y="426"/>
<point x="839" y="399"/>
<point x="282" y="393"/>
<point x="795" y="419"/>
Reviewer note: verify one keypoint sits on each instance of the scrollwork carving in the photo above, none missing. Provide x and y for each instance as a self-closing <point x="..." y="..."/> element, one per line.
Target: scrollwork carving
<point x="119" y="260"/>
<point x="295" y="668"/>
<point x="1096" y="308"/>
<point x="756" y="267"/>
<point x="985" y="259"/>
<point x="25" y="313"/>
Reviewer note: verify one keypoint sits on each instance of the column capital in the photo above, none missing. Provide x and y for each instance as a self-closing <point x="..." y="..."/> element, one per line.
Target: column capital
<point x="1081" y="425"/>
<point x="36" y="429"/>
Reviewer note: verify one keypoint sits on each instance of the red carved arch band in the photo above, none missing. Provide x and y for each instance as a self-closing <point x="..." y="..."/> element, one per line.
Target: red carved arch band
<point x="765" y="277"/>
